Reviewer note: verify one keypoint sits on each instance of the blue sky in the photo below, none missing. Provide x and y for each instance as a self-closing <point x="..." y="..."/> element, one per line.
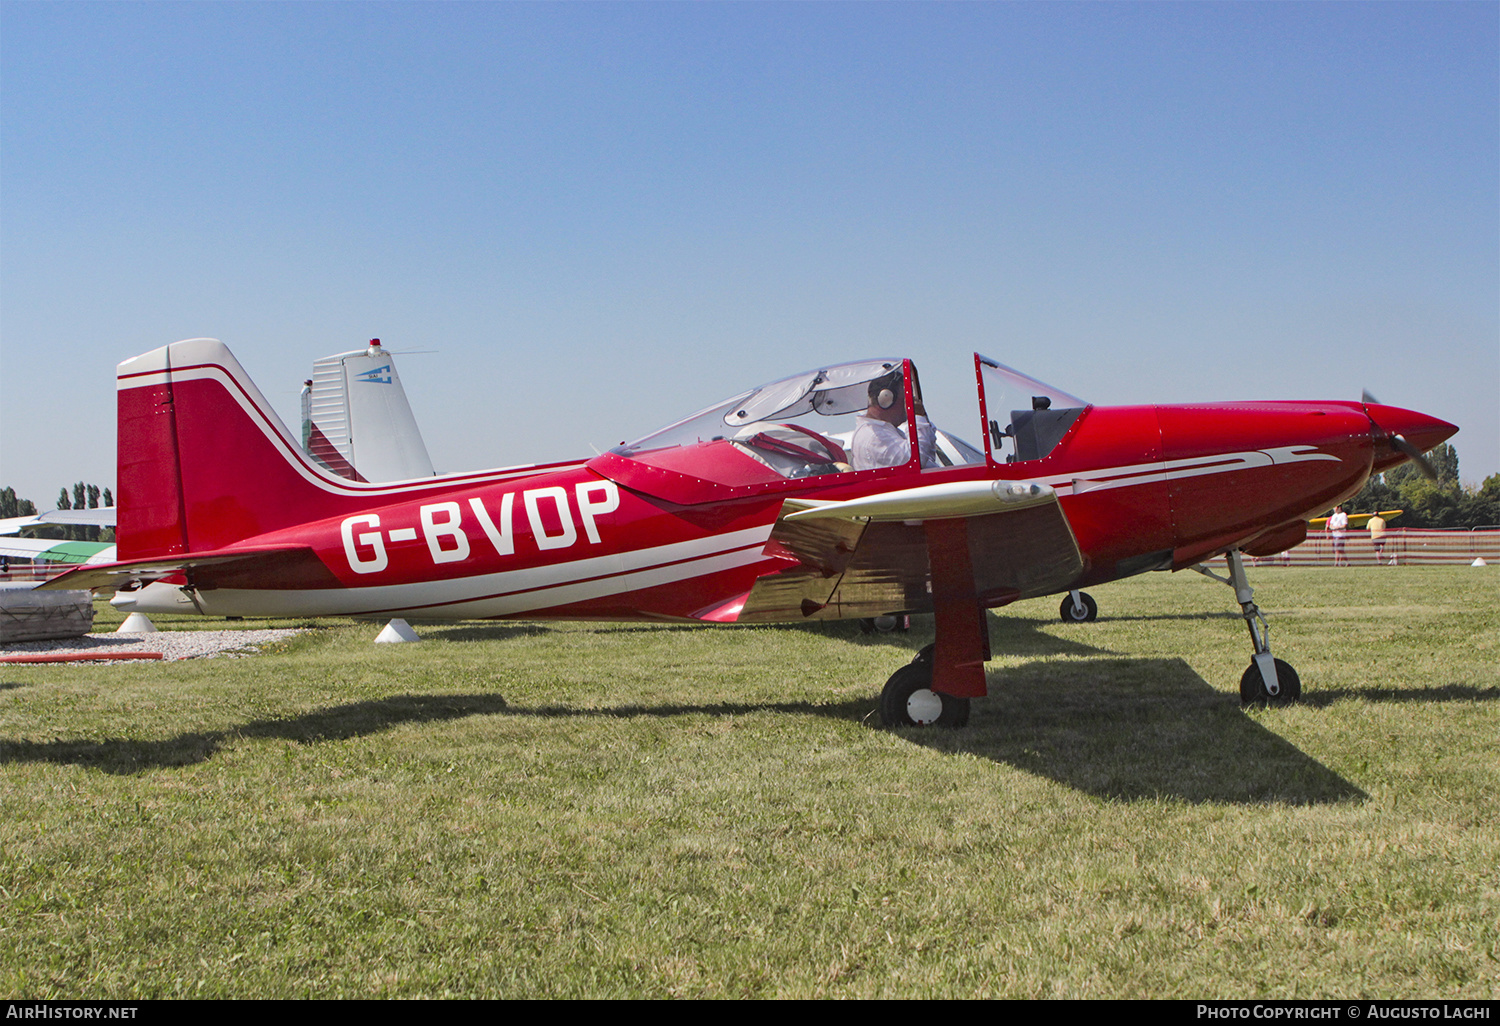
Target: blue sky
<point x="602" y="217"/>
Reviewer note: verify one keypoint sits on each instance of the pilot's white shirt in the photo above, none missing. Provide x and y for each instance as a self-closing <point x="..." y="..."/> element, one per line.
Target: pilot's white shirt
<point x="878" y="444"/>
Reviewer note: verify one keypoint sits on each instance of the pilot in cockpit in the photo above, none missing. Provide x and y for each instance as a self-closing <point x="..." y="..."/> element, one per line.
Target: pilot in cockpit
<point x="880" y="432"/>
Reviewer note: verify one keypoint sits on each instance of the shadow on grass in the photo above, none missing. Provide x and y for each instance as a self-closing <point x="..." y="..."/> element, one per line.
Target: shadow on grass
<point x="124" y="756"/>
<point x="481" y="631"/>
<point x="1152" y="617"/>
<point x="1124" y="729"/>
<point x="1019" y="636"/>
<point x="1324" y="697"/>
<point x="1010" y="635"/>
<point x="1131" y="729"/>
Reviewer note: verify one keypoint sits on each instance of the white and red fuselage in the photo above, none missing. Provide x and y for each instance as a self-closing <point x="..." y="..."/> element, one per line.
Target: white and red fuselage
<point x="208" y="476"/>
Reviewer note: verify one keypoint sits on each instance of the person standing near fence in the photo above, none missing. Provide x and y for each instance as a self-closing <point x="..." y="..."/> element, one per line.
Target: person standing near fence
<point x="1377" y="536"/>
<point x="1338" y="526"/>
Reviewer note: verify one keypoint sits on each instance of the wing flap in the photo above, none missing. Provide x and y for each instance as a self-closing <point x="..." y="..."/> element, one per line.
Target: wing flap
<point x="823" y="550"/>
<point x="1024" y="554"/>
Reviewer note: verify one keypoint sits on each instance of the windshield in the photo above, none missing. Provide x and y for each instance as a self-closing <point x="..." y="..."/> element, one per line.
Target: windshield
<point x="1024" y="418"/>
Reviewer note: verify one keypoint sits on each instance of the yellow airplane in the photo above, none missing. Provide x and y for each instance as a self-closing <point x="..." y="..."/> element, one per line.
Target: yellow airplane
<point x="1356" y="520"/>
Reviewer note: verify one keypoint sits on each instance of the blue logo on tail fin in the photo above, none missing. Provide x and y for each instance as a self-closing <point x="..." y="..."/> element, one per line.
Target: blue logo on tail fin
<point x="378" y="376"/>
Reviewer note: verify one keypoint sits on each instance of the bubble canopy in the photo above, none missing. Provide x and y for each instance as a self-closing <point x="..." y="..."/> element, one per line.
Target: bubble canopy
<point x="828" y="391"/>
<point x="803" y="425"/>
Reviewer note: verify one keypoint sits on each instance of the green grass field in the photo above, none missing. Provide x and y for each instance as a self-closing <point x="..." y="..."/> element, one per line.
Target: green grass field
<point x="560" y="810"/>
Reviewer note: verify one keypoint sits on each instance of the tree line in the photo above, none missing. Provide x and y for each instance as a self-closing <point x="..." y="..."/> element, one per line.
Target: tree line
<point x="1427" y="503"/>
<point x="82" y="496"/>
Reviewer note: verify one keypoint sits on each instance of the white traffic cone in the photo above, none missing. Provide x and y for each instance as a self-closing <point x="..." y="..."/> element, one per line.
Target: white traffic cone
<point x="397" y="630"/>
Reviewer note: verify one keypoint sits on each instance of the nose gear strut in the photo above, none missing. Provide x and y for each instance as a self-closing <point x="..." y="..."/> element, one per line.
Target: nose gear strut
<point x="1267" y="680"/>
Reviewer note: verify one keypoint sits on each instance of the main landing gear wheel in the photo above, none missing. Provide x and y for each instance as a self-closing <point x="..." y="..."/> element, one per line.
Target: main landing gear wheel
<point x="909" y="701"/>
<point x="1253" y="686"/>
<point x="1072" y="614"/>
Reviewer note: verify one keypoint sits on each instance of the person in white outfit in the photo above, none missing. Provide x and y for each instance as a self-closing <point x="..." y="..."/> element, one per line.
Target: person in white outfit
<point x="1338" y="526"/>
<point x="879" y="433"/>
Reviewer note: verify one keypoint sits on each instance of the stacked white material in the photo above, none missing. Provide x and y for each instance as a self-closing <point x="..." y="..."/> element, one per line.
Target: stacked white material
<point x="30" y="615"/>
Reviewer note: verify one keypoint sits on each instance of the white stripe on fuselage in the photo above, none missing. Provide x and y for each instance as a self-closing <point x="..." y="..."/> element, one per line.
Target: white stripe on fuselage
<point x="1079" y="482"/>
<point x="498" y="594"/>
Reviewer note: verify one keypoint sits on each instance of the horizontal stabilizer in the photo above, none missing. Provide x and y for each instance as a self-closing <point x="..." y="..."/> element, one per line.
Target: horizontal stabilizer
<point x="281" y="565"/>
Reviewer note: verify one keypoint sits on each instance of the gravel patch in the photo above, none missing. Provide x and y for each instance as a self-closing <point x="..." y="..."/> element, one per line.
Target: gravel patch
<point x="172" y="645"/>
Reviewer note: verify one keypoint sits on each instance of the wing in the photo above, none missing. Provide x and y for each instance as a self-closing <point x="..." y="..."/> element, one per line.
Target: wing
<point x="100" y="516"/>
<point x="55" y="550"/>
<point x="871" y="556"/>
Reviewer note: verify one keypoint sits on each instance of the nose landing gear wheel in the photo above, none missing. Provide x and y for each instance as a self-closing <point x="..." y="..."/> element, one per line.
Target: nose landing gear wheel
<point x="1072" y="614"/>
<point x="909" y="701"/>
<point x="1253" y="686"/>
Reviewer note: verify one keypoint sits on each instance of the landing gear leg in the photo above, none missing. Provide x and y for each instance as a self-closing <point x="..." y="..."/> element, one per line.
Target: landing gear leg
<point x="1267" y="679"/>
<point x="937" y="685"/>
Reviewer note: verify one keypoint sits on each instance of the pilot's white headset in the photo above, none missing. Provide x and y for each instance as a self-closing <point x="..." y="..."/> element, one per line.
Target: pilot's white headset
<point x="886" y="397"/>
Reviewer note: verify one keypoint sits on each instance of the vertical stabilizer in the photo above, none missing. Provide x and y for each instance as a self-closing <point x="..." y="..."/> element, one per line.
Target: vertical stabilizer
<point x="357" y="421"/>
<point x="204" y="462"/>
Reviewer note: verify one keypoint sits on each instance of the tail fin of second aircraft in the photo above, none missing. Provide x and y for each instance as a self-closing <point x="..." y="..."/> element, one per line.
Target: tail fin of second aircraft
<point x="204" y="461"/>
<point x="357" y="422"/>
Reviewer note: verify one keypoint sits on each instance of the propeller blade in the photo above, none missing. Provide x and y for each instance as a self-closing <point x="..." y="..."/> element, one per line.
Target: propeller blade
<point x="1414" y="454"/>
<point x="1428" y="431"/>
<point x="1366" y="398"/>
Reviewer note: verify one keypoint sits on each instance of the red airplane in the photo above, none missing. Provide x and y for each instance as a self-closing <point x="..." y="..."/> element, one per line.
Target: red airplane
<point x="801" y="499"/>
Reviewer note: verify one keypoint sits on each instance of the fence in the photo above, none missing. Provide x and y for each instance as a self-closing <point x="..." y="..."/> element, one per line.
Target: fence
<point x="1400" y="547"/>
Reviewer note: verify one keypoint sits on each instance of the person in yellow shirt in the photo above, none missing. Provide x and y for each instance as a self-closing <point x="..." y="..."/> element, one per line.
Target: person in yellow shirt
<point x="1377" y="536"/>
